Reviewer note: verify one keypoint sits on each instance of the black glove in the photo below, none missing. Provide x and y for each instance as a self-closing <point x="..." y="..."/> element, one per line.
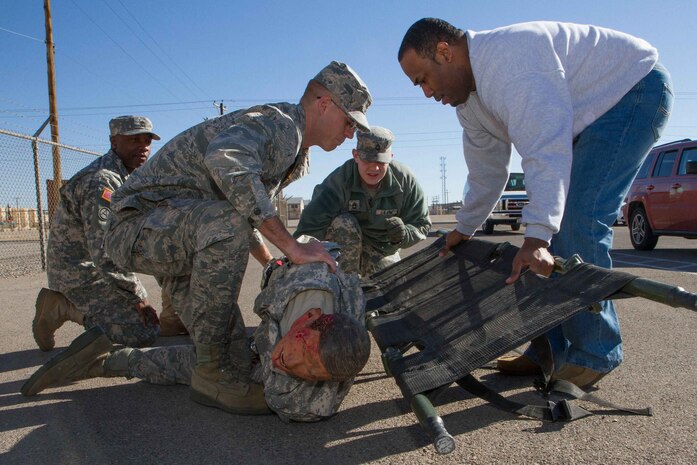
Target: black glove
<point x="396" y="231"/>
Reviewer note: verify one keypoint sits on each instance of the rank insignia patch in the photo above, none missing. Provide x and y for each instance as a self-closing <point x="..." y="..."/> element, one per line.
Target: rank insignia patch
<point x="354" y="205"/>
<point x="106" y="194"/>
<point x="103" y="213"/>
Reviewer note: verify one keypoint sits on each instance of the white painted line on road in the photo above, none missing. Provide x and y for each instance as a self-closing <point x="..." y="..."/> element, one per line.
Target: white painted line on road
<point x="652" y="258"/>
<point x="630" y="256"/>
<point x="648" y="265"/>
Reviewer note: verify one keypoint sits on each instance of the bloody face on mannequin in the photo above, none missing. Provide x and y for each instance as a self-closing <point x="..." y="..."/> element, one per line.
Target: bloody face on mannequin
<point x="297" y="353"/>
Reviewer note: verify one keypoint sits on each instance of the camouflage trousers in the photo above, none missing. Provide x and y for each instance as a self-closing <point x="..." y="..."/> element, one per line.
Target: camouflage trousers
<point x="160" y="365"/>
<point x="112" y="309"/>
<point x="356" y="257"/>
<point x="198" y="251"/>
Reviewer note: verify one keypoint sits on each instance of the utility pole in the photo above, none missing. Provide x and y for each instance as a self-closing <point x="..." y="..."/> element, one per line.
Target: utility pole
<point x="220" y="107"/>
<point x="54" y="195"/>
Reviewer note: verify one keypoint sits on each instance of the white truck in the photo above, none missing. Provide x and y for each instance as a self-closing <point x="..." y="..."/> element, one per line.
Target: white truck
<point x="508" y="209"/>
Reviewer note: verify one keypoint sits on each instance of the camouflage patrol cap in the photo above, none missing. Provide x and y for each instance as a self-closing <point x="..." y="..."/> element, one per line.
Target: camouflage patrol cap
<point x="375" y="145"/>
<point x="349" y="91"/>
<point x="130" y="126"/>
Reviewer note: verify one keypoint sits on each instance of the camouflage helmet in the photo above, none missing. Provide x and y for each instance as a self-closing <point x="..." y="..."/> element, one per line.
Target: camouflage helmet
<point x="349" y="91"/>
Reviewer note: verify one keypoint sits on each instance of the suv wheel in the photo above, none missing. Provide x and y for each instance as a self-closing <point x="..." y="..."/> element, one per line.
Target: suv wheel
<point x="640" y="231"/>
<point x="488" y="227"/>
<point x="515" y="227"/>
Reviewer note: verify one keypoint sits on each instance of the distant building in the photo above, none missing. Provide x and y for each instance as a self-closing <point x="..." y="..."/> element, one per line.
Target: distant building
<point x="445" y="209"/>
<point x="296" y="205"/>
<point x="12" y="218"/>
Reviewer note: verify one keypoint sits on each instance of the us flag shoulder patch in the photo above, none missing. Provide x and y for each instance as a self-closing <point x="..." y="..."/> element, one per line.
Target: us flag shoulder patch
<point x="106" y="194"/>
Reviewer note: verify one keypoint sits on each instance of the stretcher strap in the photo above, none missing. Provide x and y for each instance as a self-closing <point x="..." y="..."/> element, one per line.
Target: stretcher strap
<point x="553" y="411"/>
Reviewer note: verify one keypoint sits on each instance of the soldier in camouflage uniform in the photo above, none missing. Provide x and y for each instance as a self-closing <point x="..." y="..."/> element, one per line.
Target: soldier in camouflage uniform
<point x="192" y="216"/>
<point x="85" y="286"/>
<point x="371" y="205"/>
<point x="297" y="305"/>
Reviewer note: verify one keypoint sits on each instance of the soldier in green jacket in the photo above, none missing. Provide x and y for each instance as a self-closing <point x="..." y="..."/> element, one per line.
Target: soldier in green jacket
<point x="371" y="205"/>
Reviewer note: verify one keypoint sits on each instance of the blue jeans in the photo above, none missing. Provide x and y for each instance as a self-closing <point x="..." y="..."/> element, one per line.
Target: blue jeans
<point x="606" y="157"/>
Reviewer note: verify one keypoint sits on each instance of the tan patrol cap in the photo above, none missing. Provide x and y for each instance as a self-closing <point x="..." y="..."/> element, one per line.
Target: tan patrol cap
<point x="130" y="126"/>
<point x="349" y="91"/>
<point x="375" y="145"/>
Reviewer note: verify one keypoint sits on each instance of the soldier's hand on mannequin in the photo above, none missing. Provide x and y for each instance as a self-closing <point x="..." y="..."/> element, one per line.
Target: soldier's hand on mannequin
<point x="312" y="252"/>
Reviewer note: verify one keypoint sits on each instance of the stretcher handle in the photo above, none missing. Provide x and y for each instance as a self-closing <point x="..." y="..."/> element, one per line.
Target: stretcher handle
<point x="675" y="296"/>
<point x="422" y="407"/>
<point x="432" y="424"/>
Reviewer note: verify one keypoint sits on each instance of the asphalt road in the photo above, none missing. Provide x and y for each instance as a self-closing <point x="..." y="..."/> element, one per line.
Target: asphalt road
<point x="117" y="421"/>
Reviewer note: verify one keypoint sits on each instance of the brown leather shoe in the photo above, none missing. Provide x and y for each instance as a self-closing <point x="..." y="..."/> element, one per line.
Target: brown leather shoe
<point x="517" y="365"/>
<point x="580" y="376"/>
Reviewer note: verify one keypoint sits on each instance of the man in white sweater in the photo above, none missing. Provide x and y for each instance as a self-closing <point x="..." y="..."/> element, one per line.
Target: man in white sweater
<point x="583" y="106"/>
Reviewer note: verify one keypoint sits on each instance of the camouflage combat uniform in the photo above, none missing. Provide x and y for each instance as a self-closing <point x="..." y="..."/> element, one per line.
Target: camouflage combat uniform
<point x="291" y="398"/>
<point x="187" y="217"/>
<point x="342" y="210"/>
<point x="76" y="265"/>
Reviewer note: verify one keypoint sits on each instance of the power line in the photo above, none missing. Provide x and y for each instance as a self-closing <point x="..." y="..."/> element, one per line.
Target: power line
<point x="376" y="103"/>
<point x="191" y="102"/>
<point x="156" y="55"/>
<point x="22" y="35"/>
<point x="164" y="52"/>
<point x="141" y="67"/>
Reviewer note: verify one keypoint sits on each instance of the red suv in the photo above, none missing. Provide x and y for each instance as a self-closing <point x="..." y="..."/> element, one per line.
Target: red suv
<point x="663" y="198"/>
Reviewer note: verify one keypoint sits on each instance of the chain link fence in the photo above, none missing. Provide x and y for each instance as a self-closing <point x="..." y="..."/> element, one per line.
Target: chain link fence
<point x="29" y="195"/>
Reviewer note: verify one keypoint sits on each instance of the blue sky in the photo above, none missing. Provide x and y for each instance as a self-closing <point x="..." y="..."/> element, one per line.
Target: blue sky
<point x="170" y="60"/>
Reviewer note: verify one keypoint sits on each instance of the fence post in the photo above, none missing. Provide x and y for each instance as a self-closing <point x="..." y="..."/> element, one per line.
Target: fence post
<point x="39" y="203"/>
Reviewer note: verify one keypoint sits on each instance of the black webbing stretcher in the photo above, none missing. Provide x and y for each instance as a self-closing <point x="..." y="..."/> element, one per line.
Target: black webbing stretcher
<point x="459" y="313"/>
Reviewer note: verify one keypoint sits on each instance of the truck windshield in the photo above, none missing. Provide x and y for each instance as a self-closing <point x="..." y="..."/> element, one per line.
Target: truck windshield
<point x="516" y="182"/>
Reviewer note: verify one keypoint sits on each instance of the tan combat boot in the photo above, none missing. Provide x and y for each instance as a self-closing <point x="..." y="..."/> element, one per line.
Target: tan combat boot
<point x="83" y="359"/>
<point x="517" y="365"/>
<point x="52" y="310"/>
<point x="214" y="387"/>
<point x="170" y="323"/>
<point x="580" y="376"/>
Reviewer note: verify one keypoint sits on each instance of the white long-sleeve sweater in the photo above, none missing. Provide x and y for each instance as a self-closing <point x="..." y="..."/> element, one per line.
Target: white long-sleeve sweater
<point x="538" y="86"/>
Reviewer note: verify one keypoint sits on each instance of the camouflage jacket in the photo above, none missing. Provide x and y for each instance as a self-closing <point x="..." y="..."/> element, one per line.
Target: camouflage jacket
<point x="342" y="192"/>
<point x="75" y="254"/>
<point x="245" y="157"/>
<point x="292" y="398"/>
